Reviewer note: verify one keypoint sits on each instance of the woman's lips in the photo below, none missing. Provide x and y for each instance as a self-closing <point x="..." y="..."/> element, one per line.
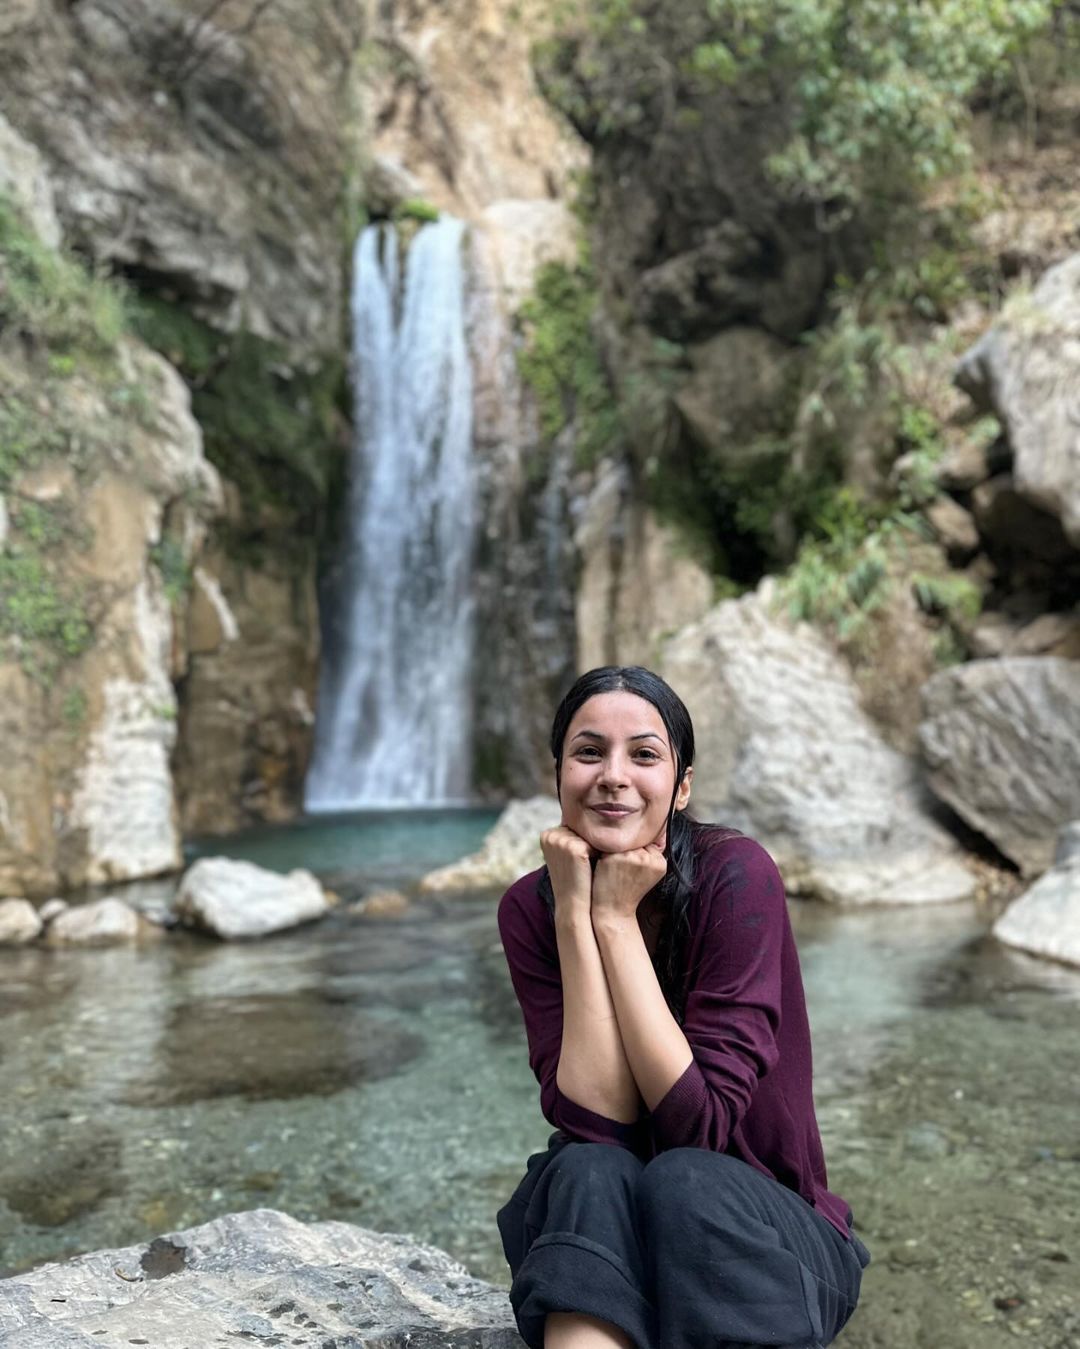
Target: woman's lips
<point x="612" y="812"/>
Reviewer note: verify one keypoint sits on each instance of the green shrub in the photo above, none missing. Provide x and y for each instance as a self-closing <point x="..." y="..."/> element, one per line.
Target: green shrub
<point x="43" y="619"/>
<point x="416" y="208"/>
<point x="560" y="361"/>
<point x="878" y="92"/>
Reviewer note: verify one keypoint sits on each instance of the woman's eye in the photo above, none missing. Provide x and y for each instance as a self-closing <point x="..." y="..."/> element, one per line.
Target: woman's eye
<point x="648" y="754"/>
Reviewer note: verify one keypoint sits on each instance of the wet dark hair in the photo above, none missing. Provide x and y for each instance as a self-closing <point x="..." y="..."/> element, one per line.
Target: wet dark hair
<point x="676" y="889"/>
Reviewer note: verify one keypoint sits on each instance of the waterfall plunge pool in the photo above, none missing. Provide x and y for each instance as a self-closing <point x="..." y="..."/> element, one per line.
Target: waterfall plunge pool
<point x="374" y="1071"/>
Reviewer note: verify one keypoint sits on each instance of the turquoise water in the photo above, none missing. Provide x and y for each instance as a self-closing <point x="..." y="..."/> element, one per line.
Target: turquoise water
<point x="374" y="1071"/>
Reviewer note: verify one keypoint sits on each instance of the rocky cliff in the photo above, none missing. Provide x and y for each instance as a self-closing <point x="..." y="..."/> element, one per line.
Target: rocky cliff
<point x="204" y="155"/>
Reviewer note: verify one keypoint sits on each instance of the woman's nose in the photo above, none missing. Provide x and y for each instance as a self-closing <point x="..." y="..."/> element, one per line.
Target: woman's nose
<point x="613" y="770"/>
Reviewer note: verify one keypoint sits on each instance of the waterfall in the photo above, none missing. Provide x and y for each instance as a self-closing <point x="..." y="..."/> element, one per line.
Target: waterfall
<point x="393" y="723"/>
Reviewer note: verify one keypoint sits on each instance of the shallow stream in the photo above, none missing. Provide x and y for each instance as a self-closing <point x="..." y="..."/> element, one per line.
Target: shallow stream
<point x="374" y="1071"/>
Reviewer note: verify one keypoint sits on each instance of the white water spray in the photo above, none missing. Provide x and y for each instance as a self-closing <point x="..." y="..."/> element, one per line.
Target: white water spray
<point x="393" y="724"/>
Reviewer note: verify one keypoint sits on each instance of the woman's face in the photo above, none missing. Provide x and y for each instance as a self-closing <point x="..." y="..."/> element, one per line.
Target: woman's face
<point x="618" y="773"/>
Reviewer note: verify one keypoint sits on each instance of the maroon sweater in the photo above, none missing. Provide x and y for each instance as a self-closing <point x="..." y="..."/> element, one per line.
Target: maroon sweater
<point x="748" y="1091"/>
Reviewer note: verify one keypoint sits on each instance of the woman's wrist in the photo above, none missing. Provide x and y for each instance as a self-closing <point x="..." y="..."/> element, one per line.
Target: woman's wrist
<point x="611" y="922"/>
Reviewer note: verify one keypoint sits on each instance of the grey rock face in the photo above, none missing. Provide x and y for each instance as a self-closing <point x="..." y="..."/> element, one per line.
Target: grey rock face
<point x="238" y="899"/>
<point x="1045" y="920"/>
<point x="1002" y="740"/>
<point x="202" y="155"/>
<point x="1026" y="369"/>
<point x="261" y="1277"/>
<point x="785" y="752"/>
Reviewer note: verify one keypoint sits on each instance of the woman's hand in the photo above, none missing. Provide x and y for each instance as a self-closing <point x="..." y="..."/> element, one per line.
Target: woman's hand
<point x="623" y="879"/>
<point x="569" y="862"/>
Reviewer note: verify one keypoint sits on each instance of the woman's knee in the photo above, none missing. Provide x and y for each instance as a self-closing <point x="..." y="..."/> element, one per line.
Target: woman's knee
<point x="595" y="1167"/>
<point x="673" y="1182"/>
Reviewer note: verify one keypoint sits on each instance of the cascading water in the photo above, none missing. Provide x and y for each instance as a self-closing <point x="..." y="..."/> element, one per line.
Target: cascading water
<point x="393" y="724"/>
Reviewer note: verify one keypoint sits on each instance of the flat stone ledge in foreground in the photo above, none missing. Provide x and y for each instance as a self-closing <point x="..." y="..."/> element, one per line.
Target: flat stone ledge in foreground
<point x="258" y="1278"/>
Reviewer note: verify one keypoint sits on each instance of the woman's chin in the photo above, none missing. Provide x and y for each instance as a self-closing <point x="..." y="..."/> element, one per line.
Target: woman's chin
<point x="608" y="839"/>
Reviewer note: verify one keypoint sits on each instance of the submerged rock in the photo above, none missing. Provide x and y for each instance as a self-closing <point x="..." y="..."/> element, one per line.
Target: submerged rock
<point x="786" y="753"/>
<point x="1002" y="739"/>
<point x="235" y="899"/>
<point x="1045" y="920"/>
<point x="510" y="850"/>
<point x="259" y="1276"/>
<point x="105" y="922"/>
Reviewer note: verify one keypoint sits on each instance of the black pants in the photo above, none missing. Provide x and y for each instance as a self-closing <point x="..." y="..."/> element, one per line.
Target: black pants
<point x="693" y="1250"/>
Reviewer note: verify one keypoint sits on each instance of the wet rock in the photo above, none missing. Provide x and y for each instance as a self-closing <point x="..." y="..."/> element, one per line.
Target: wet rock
<point x="786" y="753"/>
<point x="234" y="899"/>
<point x="380" y="904"/>
<point x="20" y="922"/>
<point x="1045" y="920"/>
<point x="104" y="922"/>
<point x="1026" y="369"/>
<point x="52" y="908"/>
<point x="254" y="1276"/>
<point x="1002" y="740"/>
<point x="510" y="850"/>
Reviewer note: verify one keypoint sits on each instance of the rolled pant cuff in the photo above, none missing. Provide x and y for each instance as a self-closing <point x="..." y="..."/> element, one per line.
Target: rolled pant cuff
<point x="564" y="1272"/>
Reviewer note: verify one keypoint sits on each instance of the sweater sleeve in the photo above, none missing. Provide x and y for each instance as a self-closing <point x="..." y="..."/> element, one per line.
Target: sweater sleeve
<point x="734" y="996"/>
<point x="528" y="937"/>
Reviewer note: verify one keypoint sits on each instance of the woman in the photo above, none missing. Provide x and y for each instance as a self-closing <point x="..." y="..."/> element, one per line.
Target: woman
<point x="683" y="1200"/>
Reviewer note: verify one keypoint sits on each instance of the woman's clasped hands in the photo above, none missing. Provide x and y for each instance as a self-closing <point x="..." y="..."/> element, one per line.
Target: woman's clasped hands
<point x="607" y="886"/>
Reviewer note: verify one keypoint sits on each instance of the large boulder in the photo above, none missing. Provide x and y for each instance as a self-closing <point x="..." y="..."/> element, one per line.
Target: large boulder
<point x="786" y="753"/>
<point x="20" y="922"/>
<point x="1045" y="920"/>
<point x="1002" y="741"/>
<point x="1026" y="369"/>
<point x="260" y="1276"/>
<point x="235" y="899"/>
<point x="510" y="850"/>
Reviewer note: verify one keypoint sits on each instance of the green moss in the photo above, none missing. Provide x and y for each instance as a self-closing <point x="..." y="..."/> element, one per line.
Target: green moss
<point x="43" y="618"/>
<point x="560" y="361"/>
<point x="416" y="208"/>
<point x="26" y="437"/>
<point x="272" y="427"/>
<point x="193" y="347"/>
<point x="168" y="557"/>
<point x="51" y="298"/>
<point x="73" y="709"/>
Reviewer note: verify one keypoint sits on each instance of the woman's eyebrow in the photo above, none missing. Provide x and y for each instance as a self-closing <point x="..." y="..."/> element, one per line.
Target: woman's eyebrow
<point x="595" y="735"/>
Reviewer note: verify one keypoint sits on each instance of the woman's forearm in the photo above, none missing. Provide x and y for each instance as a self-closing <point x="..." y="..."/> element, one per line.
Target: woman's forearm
<point x="593" y="1068"/>
<point x="653" y="1044"/>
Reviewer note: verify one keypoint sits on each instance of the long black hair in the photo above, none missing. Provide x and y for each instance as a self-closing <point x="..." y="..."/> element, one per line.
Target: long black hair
<point x="674" y="892"/>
